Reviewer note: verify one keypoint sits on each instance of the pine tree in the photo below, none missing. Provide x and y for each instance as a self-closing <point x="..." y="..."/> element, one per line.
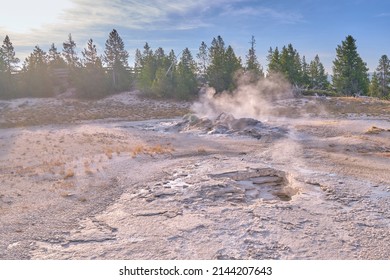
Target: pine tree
<point x="252" y="64"/>
<point x="3" y="77"/>
<point x="374" y="89"/>
<point x="70" y="54"/>
<point x="147" y="70"/>
<point x="54" y="58"/>
<point x="215" y="70"/>
<point x="317" y="76"/>
<point x="186" y="76"/>
<point x="383" y="72"/>
<point x="8" y="55"/>
<point x="137" y="63"/>
<point x="162" y="74"/>
<point x="91" y="81"/>
<point x="147" y="52"/>
<point x="37" y="61"/>
<point x="290" y="65"/>
<point x="171" y="73"/>
<point x="232" y="65"/>
<point x="223" y="66"/>
<point x="203" y="62"/>
<point x="8" y="65"/>
<point x="350" y="73"/>
<point x="305" y="79"/>
<point x="161" y="85"/>
<point x="116" y="58"/>
<point x="159" y="57"/>
<point x="2" y="62"/>
<point x="172" y="59"/>
<point x="90" y="55"/>
<point x="273" y="58"/>
<point x="36" y="80"/>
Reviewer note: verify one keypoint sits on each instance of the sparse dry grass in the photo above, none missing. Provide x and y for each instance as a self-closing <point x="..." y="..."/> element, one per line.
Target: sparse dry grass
<point x="346" y="105"/>
<point x="92" y="110"/>
<point x="152" y="150"/>
<point x="376" y="130"/>
<point x="137" y="150"/>
<point x="88" y="171"/>
<point x="68" y="185"/>
<point x="201" y="150"/>
<point x="108" y="153"/>
<point x="69" y="173"/>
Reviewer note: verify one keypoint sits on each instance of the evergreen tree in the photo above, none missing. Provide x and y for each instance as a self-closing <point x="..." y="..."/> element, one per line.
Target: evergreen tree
<point x="3" y="77"/>
<point x="252" y="64"/>
<point x="36" y="80"/>
<point x="216" y="69"/>
<point x="162" y="85"/>
<point x="137" y="63"/>
<point x="71" y="59"/>
<point x="383" y="72"/>
<point x="54" y="58"/>
<point x="171" y="73"/>
<point x="172" y="59"/>
<point x="203" y="62"/>
<point x="2" y="62"/>
<point x="116" y="58"/>
<point x="223" y="65"/>
<point x="157" y="72"/>
<point x="231" y="66"/>
<point x="317" y="76"/>
<point x="374" y="89"/>
<point x="91" y="82"/>
<point x="8" y="65"/>
<point x="160" y="59"/>
<point x="290" y="65"/>
<point x="147" y="52"/>
<point x="186" y="76"/>
<point x="305" y="79"/>
<point x="37" y="61"/>
<point x="90" y="55"/>
<point x="70" y="54"/>
<point x="147" y="70"/>
<point x="273" y="58"/>
<point x="8" y="55"/>
<point x="350" y="73"/>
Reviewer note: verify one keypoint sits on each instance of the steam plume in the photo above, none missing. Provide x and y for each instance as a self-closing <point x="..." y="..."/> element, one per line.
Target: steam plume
<point x="249" y="100"/>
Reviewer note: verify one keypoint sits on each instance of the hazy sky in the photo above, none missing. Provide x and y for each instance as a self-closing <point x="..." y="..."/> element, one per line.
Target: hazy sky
<point x="312" y="26"/>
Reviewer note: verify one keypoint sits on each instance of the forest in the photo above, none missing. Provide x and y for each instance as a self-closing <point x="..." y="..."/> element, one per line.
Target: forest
<point x="160" y="74"/>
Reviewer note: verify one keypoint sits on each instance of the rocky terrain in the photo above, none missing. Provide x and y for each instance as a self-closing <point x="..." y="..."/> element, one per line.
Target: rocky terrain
<point x="135" y="180"/>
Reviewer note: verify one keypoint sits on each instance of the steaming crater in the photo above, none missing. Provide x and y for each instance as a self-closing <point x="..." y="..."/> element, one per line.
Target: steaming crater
<point x="227" y="124"/>
<point x="267" y="184"/>
<point x="242" y="186"/>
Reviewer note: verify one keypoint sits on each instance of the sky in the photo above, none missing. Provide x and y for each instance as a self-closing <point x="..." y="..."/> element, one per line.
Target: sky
<point x="311" y="26"/>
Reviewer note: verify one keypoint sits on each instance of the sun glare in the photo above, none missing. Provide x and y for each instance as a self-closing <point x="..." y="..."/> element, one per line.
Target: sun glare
<point x="23" y="15"/>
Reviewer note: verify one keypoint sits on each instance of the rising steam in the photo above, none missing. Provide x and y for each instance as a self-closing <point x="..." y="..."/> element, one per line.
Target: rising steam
<point x="249" y="100"/>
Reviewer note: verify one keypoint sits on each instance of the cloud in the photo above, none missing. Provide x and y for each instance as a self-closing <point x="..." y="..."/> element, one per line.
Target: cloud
<point x="383" y="15"/>
<point x="278" y="16"/>
<point x="21" y="15"/>
<point x="139" y="15"/>
<point x="84" y="19"/>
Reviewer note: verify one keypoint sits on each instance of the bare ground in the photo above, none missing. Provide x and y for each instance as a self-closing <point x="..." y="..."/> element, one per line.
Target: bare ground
<point x="76" y="185"/>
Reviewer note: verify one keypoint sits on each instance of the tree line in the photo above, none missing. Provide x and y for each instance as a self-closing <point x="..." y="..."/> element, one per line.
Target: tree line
<point x="166" y="75"/>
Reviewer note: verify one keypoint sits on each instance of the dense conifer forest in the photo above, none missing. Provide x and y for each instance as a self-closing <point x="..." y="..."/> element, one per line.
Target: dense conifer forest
<point x="164" y="74"/>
